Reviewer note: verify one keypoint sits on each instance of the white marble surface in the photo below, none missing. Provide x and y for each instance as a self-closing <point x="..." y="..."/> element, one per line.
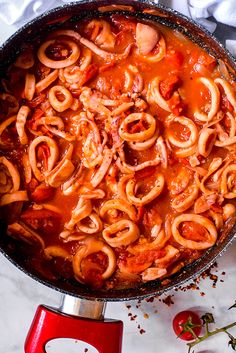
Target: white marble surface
<point x="20" y="295"/>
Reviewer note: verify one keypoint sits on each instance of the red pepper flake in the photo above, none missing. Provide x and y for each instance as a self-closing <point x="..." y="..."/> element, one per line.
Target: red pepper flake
<point x="132" y="318"/>
<point x="142" y="331"/>
<point x="202" y="294"/>
<point x="168" y="300"/>
<point x="128" y="306"/>
<point x="85" y="350"/>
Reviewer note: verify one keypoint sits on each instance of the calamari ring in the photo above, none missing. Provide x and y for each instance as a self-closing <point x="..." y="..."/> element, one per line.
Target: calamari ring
<point x="121" y="205"/>
<point x="82" y="210"/>
<point x="6" y="123"/>
<point x="228" y="182"/>
<point x="102" y="170"/>
<point x="228" y="91"/>
<point x="171" y="253"/>
<point x="186" y="152"/>
<point x="51" y="160"/>
<point x="95" y="227"/>
<point x="156" y="57"/>
<point x="21" y="118"/>
<point x="20" y="195"/>
<point x="56" y="251"/>
<point x="58" y="104"/>
<point x="144" y="145"/>
<point x="88" y="247"/>
<point x="29" y="86"/>
<point x="44" y="83"/>
<point x="21" y="230"/>
<point x="57" y="64"/>
<point x="191" y="244"/>
<point x="206" y="141"/>
<point x="152" y="273"/>
<point x="154" y="94"/>
<point x="102" y="35"/>
<point x="138" y="136"/>
<point x="13" y="173"/>
<point x="87" y="43"/>
<point x="186" y="199"/>
<point x="193" y="132"/>
<point x="121" y="233"/>
<point x="153" y="193"/>
<point x="60" y="173"/>
<point x="143" y="245"/>
<point x="215" y="101"/>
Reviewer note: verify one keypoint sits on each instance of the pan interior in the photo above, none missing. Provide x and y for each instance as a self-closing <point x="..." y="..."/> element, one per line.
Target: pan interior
<point x="74" y="12"/>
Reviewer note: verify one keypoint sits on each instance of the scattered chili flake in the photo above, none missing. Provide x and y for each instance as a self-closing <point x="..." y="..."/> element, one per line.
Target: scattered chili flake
<point x="146" y="316"/>
<point x="142" y="331"/>
<point x="168" y="300"/>
<point x="85" y="349"/>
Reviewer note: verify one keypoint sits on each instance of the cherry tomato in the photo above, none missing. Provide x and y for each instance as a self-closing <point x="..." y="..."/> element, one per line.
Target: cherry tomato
<point x="181" y="319"/>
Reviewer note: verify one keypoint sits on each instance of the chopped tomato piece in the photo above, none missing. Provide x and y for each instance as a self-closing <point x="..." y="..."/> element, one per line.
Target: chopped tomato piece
<point x="141" y="212"/>
<point x="45" y="220"/>
<point x="151" y="218"/>
<point x="193" y="231"/>
<point x="137" y="127"/>
<point x="140" y="262"/>
<point x="88" y="73"/>
<point x="37" y="100"/>
<point x="43" y="154"/>
<point x="42" y="193"/>
<point x="175" y="58"/>
<point x="203" y="59"/>
<point x="38" y="113"/>
<point x="216" y="208"/>
<point x="169" y="85"/>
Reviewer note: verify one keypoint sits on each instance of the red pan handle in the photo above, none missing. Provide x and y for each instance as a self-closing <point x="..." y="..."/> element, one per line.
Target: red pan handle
<point x="49" y="323"/>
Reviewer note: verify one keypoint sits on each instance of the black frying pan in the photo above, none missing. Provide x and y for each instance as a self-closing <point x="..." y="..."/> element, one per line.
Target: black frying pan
<point x="8" y="52"/>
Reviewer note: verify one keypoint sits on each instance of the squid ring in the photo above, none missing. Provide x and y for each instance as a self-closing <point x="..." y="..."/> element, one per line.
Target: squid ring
<point x="20" y="123"/>
<point x="155" y="191"/>
<point x="206" y="141"/>
<point x="92" y="246"/>
<point x="123" y="232"/>
<point x="215" y="101"/>
<point x="51" y="159"/>
<point x="14" y="174"/>
<point x="228" y="91"/>
<point x="138" y="136"/>
<point x="13" y="197"/>
<point x="60" y="104"/>
<point x="91" y="229"/>
<point x="6" y="123"/>
<point x="228" y="182"/>
<point x="191" y="244"/>
<point x="118" y="204"/>
<point x="44" y="83"/>
<point x="193" y="133"/>
<point x="29" y="86"/>
<point x="58" y="64"/>
<point x="144" y="145"/>
<point x="186" y="199"/>
<point x="56" y="251"/>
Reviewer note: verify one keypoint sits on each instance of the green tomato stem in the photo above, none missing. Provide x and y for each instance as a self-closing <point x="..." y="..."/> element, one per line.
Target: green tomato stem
<point x="209" y="334"/>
